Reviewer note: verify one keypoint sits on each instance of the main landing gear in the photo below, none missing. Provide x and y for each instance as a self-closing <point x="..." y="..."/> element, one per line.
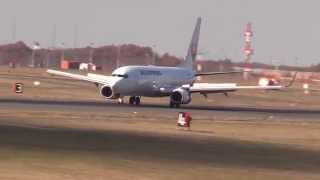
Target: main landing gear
<point x="174" y="104"/>
<point x="134" y="100"/>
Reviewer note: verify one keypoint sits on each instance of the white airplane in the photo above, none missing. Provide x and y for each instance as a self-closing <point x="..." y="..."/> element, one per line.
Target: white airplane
<point x="155" y="81"/>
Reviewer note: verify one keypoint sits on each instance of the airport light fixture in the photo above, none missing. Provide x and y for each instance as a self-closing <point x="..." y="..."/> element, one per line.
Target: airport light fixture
<point x="118" y="56"/>
<point x="91" y="51"/>
<point x="35" y="46"/>
<point x="153" y="55"/>
<point x="62" y="51"/>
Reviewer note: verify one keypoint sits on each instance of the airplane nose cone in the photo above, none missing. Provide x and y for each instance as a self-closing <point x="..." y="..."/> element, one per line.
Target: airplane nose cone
<point x="117" y="84"/>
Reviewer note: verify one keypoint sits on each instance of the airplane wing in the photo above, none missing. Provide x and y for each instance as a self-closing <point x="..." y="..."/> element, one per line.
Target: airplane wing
<point x="226" y="87"/>
<point x="94" y="78"/>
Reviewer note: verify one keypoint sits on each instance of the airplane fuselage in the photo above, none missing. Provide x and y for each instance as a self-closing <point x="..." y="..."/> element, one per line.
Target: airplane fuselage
<point x="151" y="81"/>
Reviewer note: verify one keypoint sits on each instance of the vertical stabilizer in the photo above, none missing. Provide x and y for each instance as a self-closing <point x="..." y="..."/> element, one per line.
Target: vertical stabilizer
<point x="193" y="47"/>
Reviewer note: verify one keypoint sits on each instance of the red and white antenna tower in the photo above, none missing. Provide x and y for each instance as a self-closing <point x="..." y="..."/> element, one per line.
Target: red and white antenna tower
<point x="248" y="50"/>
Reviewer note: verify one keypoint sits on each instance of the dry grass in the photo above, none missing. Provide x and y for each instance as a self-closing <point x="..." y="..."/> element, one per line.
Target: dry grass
<point x="80" y="145"/>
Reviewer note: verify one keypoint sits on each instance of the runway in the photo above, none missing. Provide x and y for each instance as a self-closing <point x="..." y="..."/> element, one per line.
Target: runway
<point x="162" y="109"/>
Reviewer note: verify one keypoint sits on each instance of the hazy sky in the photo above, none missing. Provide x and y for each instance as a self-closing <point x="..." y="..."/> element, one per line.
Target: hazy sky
<point x="285" y="30"/>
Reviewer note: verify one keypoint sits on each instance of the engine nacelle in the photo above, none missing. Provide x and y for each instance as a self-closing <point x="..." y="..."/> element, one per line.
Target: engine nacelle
<point x="181" y="96"/>
<point x="107" y="91"/>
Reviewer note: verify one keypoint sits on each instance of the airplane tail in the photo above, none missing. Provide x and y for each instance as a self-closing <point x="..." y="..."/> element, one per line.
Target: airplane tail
<point x="193" y="48"/>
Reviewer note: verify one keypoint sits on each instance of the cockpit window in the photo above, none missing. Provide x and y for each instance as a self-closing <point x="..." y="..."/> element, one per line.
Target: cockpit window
<point x="120" y="75"/>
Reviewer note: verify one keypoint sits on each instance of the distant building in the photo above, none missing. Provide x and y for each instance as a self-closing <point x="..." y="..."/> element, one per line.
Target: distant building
<point x="65" y="64"/>
<point x="88" y="67"/>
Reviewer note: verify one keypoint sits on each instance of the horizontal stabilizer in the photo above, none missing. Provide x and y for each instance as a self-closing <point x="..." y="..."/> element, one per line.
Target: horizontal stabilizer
<point x="218" y="73"/>
<point x="226" y="87"/>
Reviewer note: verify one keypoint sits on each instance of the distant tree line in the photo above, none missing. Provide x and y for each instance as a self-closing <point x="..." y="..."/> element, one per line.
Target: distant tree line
<point x="106" y="56"/>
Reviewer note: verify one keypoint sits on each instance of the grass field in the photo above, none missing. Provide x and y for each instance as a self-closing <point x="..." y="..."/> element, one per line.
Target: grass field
<point x="74" y="145"/>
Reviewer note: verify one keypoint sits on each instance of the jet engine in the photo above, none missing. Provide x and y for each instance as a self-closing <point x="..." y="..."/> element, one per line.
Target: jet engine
<point x="180" y="96"/>
<point x="108" y="92"/>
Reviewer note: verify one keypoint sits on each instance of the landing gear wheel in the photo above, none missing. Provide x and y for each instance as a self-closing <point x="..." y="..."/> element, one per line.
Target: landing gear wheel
<point x="173" y="104"/>
<point x="137" y="100"/>
<point x="132" y="100"/>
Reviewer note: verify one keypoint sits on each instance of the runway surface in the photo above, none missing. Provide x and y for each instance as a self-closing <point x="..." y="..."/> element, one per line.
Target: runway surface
<point x="202" y="110"/>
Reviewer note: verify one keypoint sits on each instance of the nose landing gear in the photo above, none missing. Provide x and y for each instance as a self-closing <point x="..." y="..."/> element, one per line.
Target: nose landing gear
<point x="120" y="100"/>
<point x="134" y="100"/>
